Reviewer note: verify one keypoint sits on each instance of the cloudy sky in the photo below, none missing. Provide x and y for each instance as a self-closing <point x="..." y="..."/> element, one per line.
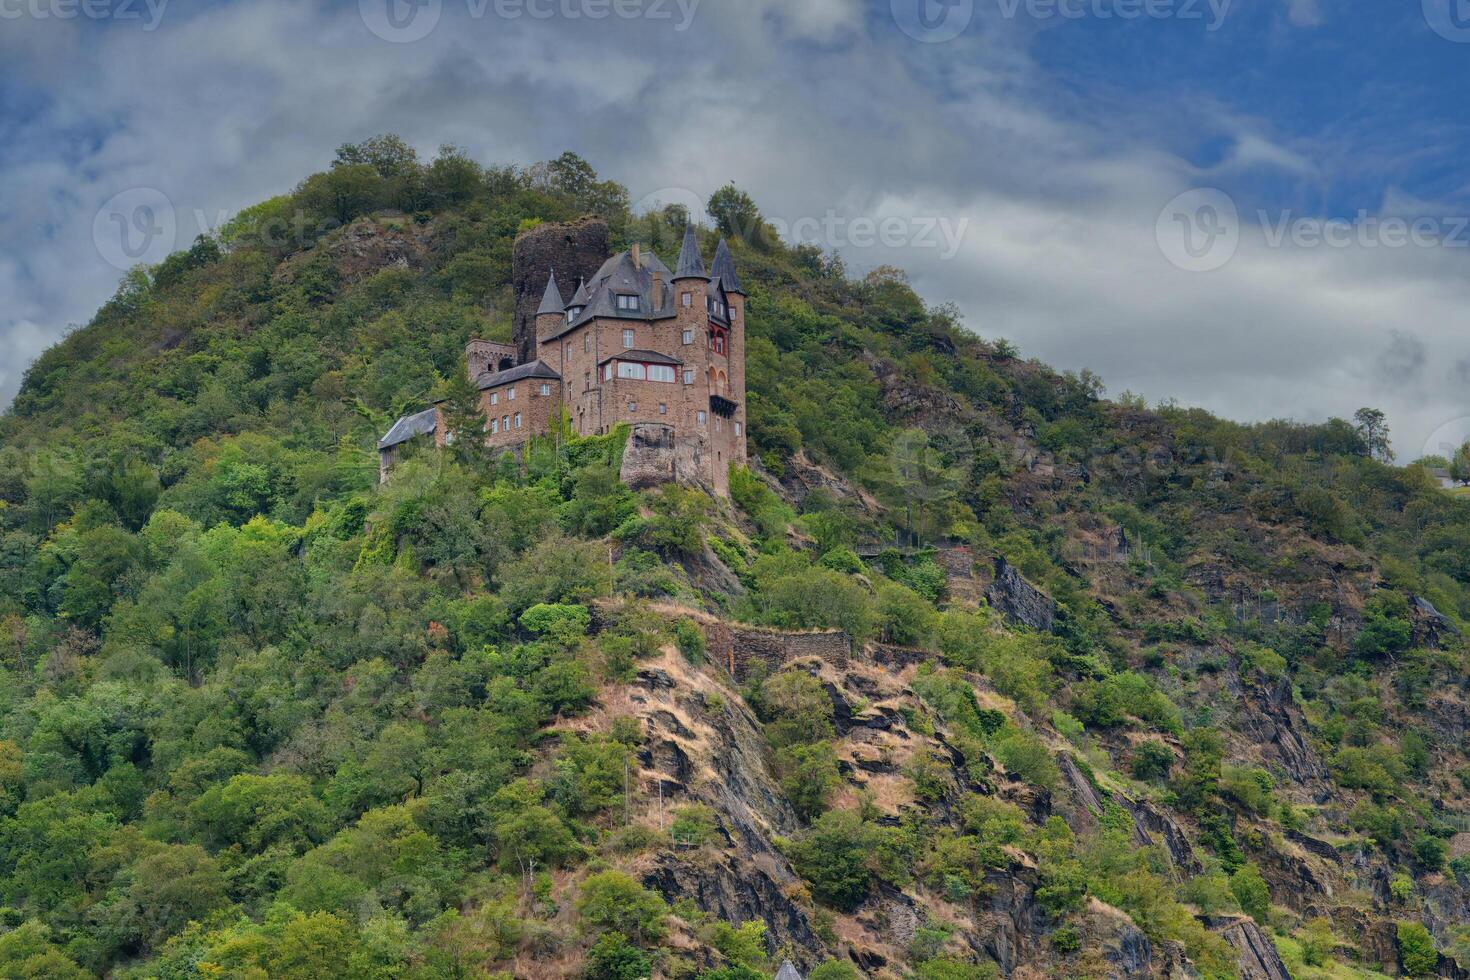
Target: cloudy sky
<point x="1257" y="206"/>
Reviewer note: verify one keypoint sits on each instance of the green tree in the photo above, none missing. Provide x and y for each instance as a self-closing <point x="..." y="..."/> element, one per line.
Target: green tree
<point x="1417" y="954"/>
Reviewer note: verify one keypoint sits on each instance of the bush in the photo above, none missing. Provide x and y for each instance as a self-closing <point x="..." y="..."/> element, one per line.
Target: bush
<point x="833" y="856"/>
<point x="689" y="638"/>
<point x="1417" y="954"/>
<point x="612" y="957"/>
<point x="693" y="824"/>
<point x="1152" y="761"/>
<point x="835" y="970"/>
<point x="613" y="901"/>
<point x="1251" y="891"/>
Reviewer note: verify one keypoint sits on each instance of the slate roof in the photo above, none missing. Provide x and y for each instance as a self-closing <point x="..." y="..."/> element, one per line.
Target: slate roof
<point x="619" y="275"/>
<point x="536" y="369"/>
<point x="788" y="972"/>
<point x="689" y="264"/>
<point x="723" y="269"/>
<point x="643" y="356"/>
<point x="551" y="299"/>
<point x="419" y="424"/>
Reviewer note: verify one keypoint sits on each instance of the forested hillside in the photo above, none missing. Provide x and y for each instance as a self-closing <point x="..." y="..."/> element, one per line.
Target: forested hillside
<point x="1126" y="692"/>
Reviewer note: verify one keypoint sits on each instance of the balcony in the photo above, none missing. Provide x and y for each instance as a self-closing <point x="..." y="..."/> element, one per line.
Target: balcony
<point x="722" y="406"/>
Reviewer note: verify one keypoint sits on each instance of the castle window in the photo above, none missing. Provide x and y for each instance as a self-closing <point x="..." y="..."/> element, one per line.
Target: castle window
<point x="688" y="376"/>
<point x="718" y="428"/>
<point x="587" y="341"/>
<point x="739" y="429"/>
<point x="663" y="409"/>
<point x="626" y="302"/>
<point x="586" y="380"/>
<point x="632" y="406"/>
<point x="700" y="418"/>
<point x="518" y="420"/>
<point x="627" y="338"/>
<point x="545" y="389"/>
<point x="632" y="370"/>
<point x="495" y="398"/>
<point x="510" y="395"/>
<point x="494" y="426"/>
<point x="660" y="372"/>
<point x="505" y="422"/>
<point x="607" y="371"/>
<point x="688" y="299"/>
<point x="688" y="336"/>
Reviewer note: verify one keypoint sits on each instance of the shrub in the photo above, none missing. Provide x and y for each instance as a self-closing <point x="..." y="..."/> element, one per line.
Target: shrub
<point x="689" y="638"/>
<point x="566" y="624"/>
<point x="613" y="901"/>
<point x="1152" y="761"/>
<point x="842" y="559"/>
<point x="1250" y="890"/>
<point x="612" y="957"/>
<point x="1417" y="954"/>
<point x="693" y="824"/>
<point x="833" y="856"/>
<point x="835" y="970"/>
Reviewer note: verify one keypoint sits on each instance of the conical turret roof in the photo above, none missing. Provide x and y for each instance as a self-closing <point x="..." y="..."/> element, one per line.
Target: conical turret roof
<point x="551" y="299"/>
<point x="690" y="264"/>
<point x="723" y="268"/>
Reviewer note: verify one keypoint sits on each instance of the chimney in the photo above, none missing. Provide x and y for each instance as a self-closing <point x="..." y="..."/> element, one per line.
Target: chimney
<point x="657" y="299"/>
<point x="637" y="256"/>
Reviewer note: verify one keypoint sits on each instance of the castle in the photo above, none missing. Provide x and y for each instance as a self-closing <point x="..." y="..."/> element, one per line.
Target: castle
<point x="662" y="352"/>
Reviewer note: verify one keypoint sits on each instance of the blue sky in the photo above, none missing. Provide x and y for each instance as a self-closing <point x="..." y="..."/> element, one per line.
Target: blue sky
<point x="1040" y="170"/>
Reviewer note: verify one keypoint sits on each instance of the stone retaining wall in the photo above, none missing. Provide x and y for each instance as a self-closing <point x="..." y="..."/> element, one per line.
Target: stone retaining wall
<point x="737" y="647"/>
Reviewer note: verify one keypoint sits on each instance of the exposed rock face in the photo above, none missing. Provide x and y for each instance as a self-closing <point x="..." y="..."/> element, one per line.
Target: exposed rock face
<point x="1019" y="600"/>
<point x="1431" y="627"/>
<point x="1259" y="959"/>
<point x="648" y="458"/>
<point x="575" y="249"/>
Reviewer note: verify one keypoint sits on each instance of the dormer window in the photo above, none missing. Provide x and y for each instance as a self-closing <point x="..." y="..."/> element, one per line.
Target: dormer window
<point x="574" y="312"/>
<point x="627" y="302"/>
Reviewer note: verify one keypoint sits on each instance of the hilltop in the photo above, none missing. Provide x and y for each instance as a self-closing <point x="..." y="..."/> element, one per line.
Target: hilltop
<point x="976" y="673"/>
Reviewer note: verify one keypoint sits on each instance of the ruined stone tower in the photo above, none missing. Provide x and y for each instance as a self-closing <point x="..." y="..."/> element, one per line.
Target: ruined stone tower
<point x="574" y="249"/>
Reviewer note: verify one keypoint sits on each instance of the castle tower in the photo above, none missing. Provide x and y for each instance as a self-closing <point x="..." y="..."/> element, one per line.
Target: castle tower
<point x="722" y="270"/>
